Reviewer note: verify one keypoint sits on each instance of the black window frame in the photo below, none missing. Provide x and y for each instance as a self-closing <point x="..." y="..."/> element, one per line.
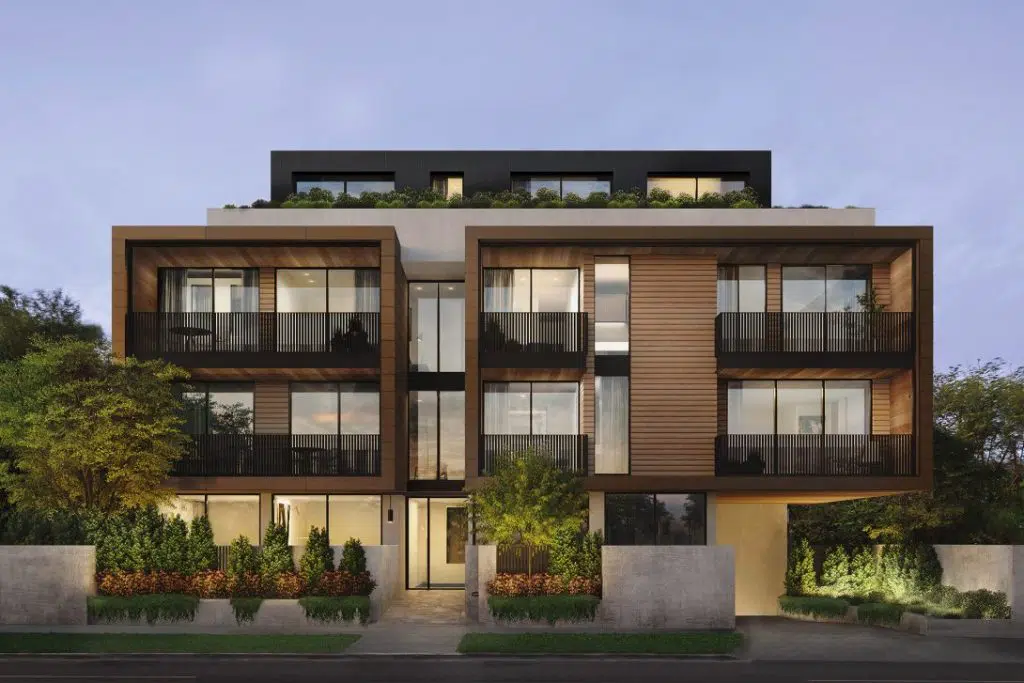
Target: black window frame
<point x="338" y="392"/>
<point x="734" y="268"/>
<point x="822" y="382"/>
<point x="579" y="286"/>
<point x="409" y="320"/>
<point x="782" y="279"/>
<point x="531" y="383"/>
<point x="204" y="388"/>
<point x="327" y="508"/>
<point x="723" y="177"/>
<point x="654" y="521"/>
<point x="345" y="178"/>
<point x="413" y="425"/>
<point x="160" y="289"/>
<point x="517" y="178"/>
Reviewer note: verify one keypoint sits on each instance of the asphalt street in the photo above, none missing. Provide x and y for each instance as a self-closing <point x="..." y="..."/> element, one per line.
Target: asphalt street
<point x="175" y="669"/>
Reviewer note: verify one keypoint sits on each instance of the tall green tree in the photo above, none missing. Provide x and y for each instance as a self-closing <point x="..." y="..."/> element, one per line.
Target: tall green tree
<point x="526" y="501"/>
<point x="87" y="432"/>
<point x="46" y="314"/>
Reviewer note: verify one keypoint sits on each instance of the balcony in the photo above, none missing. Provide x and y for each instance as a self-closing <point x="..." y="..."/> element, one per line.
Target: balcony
<point x="256" y="340"/>
<point x="280" y="455"/>
<point x="815" y="455"/>
<point x="568" y="452"/>
<point x="533" y="340"/>
<point x="817" y="340"/>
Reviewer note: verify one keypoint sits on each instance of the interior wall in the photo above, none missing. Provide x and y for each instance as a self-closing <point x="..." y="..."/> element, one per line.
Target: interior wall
<point x="757" y="532"/>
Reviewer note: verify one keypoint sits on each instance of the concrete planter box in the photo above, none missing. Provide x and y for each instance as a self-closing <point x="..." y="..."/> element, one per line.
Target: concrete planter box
<point x="217" y="616"/>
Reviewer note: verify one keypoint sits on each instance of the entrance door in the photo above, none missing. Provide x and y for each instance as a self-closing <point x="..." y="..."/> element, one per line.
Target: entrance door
<point x="437" y="532"/>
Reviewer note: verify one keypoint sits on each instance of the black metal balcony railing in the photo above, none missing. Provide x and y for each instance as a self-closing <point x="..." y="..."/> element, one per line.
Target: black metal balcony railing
<point x="863" y="334"/>
<point x="822" y="455"/>
<point x="568" y="452"/>
<point x="533" y="340"/>
<point x="257" y="339"/>
<point x="280" y="455"/>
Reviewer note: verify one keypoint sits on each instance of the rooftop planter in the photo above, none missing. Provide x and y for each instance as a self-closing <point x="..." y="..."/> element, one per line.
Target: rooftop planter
<point x="507" y="199"/>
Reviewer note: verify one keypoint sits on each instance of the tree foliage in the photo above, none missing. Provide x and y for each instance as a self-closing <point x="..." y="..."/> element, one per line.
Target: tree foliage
<point x="526" y="500"/>
<point x="87" y="432"/>
<point x="318" y="556"/>
<point x="202" y="553"/>
<point x="276" y="555"/>
<point x="51" y="315"/>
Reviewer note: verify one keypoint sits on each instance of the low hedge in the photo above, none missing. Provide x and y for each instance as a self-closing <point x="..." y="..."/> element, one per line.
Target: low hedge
<point x="527" y="585"/>
<point x="814" y="606"/>
<point x="330" y="610"/>
<point x="245" y="609"/>
<point x="549" y="608"/>
<point x="884" y="613"/>
<point x="167" y="607"/>
<point x="985" y="604"/>
<point x="217" y="584"/>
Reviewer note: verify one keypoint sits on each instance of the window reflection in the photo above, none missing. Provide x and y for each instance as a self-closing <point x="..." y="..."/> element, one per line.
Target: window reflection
<point x="655" y="519"/>
<point x="531" y="408"/>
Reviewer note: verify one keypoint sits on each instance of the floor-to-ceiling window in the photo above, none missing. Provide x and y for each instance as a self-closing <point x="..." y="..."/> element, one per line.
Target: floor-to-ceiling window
<point x="198" y="303"/>
<point x="343" y="516"/>
<point x="437" y="435"/>
<point x="349" y="298"/>
<point x="218" y="408"/>
<point x="230" y="516"/>
<point x="611" y="424"/>
<point x="563" y="185"/>
<point x="799" y="407"/>
<point x="531" y="407"/>
<point x="824" y="289"/>
<point x="531" y="290"/>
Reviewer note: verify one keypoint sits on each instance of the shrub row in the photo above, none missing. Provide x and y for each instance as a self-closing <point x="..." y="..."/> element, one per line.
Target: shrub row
<point x="153" y="608"/>
<point x="544" y="199"/>
<point x="549" y="608"/>
<point x="218" y="584"/>
<point x="814" y="606"/>
<point x="525" y="585"/>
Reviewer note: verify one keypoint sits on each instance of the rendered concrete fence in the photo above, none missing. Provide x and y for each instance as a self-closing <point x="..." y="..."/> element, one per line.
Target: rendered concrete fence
<point x="46" y="585"/>
<point x="668" y="587"/>
<point x="383" y="563"/>
<point x="972" y="567"/>
<point x="1016" y="594"/>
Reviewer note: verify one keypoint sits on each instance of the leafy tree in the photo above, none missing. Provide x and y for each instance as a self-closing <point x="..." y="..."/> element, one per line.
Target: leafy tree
<point x="317" y="558"/>
<point x="574" y="553"/>
<point x="242" y="558"/>
<point x="172" y="554"/>
<point x="202" y="553"/>
<point x="276" y="557"/>
<point x="800" y="576"/>
<point x="87" y="432"/>
<point x="51" y="315"/>
<point x="353" y="557"/>
<point x="526" y="501"/>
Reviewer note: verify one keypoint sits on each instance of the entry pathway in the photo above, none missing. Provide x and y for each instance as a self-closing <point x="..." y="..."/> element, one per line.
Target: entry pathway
<point x="417" y="622"/>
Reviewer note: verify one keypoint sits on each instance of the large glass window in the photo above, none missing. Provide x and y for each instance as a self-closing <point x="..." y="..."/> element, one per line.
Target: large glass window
<point x="611" y="305"/>
<point x="218" y="408"/>
<point x="437" y="435"/>
<point x="655" y="518"/>
<point x="344" y="517"/>
<point x="800" y="407"/>
<point x="741" y="289"/>
<point x="437" y="327"/>
<point x="342" y="184"/>
<point x="531" y="407"/>
<point x="693" y="187"/>
<point x="331" y="408"/>
<point x="299" y="513"/>
<point x="817" y="289"/>
<point x="611" y="425"/>
<point x="581" y="186"/>
<point x="536" y="290"/>
<point x="446" y="184"/>
<point x="335" y="290"/>
<point x="209" y="290"/>
<point x="230" y="516"/>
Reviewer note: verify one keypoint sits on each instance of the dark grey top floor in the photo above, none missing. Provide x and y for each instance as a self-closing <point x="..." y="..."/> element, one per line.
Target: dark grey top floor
<point x="493" y="171"/>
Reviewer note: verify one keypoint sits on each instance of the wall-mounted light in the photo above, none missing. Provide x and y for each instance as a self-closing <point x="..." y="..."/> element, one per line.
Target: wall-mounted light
<point x="391" y="512"/>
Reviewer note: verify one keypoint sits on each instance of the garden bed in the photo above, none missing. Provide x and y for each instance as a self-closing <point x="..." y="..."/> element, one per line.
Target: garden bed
<point x="188" y="613"/>
<point x="550" y="609"/>
<point x="689" y="643"/>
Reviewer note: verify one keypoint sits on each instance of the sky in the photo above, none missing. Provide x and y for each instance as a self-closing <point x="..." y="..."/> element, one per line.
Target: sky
<point x="133" y="113"/>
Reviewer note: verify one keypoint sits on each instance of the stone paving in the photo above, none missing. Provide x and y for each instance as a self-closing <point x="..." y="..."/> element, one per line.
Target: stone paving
<point x="417" y="622"/>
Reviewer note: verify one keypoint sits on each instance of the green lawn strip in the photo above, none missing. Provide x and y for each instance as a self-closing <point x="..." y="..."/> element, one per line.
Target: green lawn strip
<point x="331" y="610"/>
<point x="203" y="643"/>
<point x="685" y="643"/>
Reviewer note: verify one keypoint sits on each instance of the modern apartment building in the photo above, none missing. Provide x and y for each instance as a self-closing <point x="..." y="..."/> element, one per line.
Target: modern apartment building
<point x="700" y="368"/>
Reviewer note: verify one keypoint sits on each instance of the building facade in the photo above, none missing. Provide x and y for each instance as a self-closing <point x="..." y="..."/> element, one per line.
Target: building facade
<point x="700" y="368"/>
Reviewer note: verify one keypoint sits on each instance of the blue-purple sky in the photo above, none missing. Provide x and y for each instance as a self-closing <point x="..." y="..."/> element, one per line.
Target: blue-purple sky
<point x="129" y="112"/>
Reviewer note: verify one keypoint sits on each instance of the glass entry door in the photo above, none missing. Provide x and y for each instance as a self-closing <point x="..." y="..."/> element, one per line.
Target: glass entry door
<point x="437" y="529"/>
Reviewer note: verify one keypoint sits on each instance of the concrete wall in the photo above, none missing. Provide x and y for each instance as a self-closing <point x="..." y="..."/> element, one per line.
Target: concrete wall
<point x="971" y="567"/>
<point x="757" y="533"/>
<point x="1017" y="594"/>
<point x="668" y="587"/>
<point x="486" y="570"/>
<point x="434" y="240"/>
<point x="384" y="564"/>
<point x="472" y="583"/>
<point x="46" y="585"/>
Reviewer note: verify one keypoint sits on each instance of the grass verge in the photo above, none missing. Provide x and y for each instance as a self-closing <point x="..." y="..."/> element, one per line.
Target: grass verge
<point x="690" y="643"/>
<point x="549" y="608"/>
<point x="151" y="642"/>
<point x="814" y="606"/>
<point x="332" y="610"/>
<point x="105" y="609"/>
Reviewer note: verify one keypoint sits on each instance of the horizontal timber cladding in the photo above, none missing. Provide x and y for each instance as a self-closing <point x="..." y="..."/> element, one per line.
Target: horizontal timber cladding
<point x="673" y="387"/>
<point x="148" y="260"/>
<point x="268" y="290"/>
<point x="881" y="283"/>
<point x="773" y="287"/>
<point x="901" y="403"/>
<point x="901" y="282"/>
<point x="272" y="407"/>
<point x="880" y="406"/>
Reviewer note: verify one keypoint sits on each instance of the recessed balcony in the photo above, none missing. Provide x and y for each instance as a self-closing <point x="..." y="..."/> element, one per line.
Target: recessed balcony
<point x="280" y="455"/>
<point x="818" y="340"/>
<point x="533" y="340"/>
<point x="257" y="340"/>
<point x="568" y="452"/>
<point x="816" y="455"/>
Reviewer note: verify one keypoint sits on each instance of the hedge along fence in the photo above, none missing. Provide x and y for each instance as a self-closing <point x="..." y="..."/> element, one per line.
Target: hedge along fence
<point x="410" y="198"/>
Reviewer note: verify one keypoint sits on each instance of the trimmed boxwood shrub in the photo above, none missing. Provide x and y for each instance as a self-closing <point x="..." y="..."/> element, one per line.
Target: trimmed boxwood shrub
<point x="276" y="555"/>
<point x="353" y="557"/>
<point x="165" y="607"/>
<point x="814" y="606"/>
<point x="334" y="609"/>
<point x="884" y="613"/>
<point x="985" y="604"/>
<point x="549" y="608"/>
<point x="318" y="557"/>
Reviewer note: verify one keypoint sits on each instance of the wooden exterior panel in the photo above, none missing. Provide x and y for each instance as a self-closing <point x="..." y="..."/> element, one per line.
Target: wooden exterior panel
<point x="272" y="407"/>
<point x="773" y="287"/>
<point x="588" y="385"/>
<point x="473" y="380"/>
<point x="880" y="399"/>
<point x="901" y="278"/>
<point x="389" y="398"/>
<point x="723" y="407"/>
<point x="268" y="290"/>
<point x="881" y="283"/>
<point x="673" y="384"/>
<point x="901" y="403"/>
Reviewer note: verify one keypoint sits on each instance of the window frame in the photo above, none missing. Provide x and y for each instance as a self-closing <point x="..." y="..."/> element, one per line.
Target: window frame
<point x="654" y="521"/>
<point x="413" y="424"/>
<point x="531" y="383"/>
<point x="437" y="300"/>
<point x="206" y="508"/>
<point x="327" y="287"/>
<point x="561" y="177"/>
<point x="782" y="281"/>
<point x="734" y="268"/>
<point x="696" y="178"/>
<point x="160" y="289"/>
<point x="869" y="396"/>
<point x="579" y="287"/>
<point x="344" y="178"/>
<point x="327" y="508"/>
<point x="204" y="387"/>
<point x="337" y="392"/>
<point x="612" y="259"/>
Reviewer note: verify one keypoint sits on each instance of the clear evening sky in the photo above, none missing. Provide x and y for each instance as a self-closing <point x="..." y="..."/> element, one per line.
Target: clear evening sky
<point x="149" y="112"/>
